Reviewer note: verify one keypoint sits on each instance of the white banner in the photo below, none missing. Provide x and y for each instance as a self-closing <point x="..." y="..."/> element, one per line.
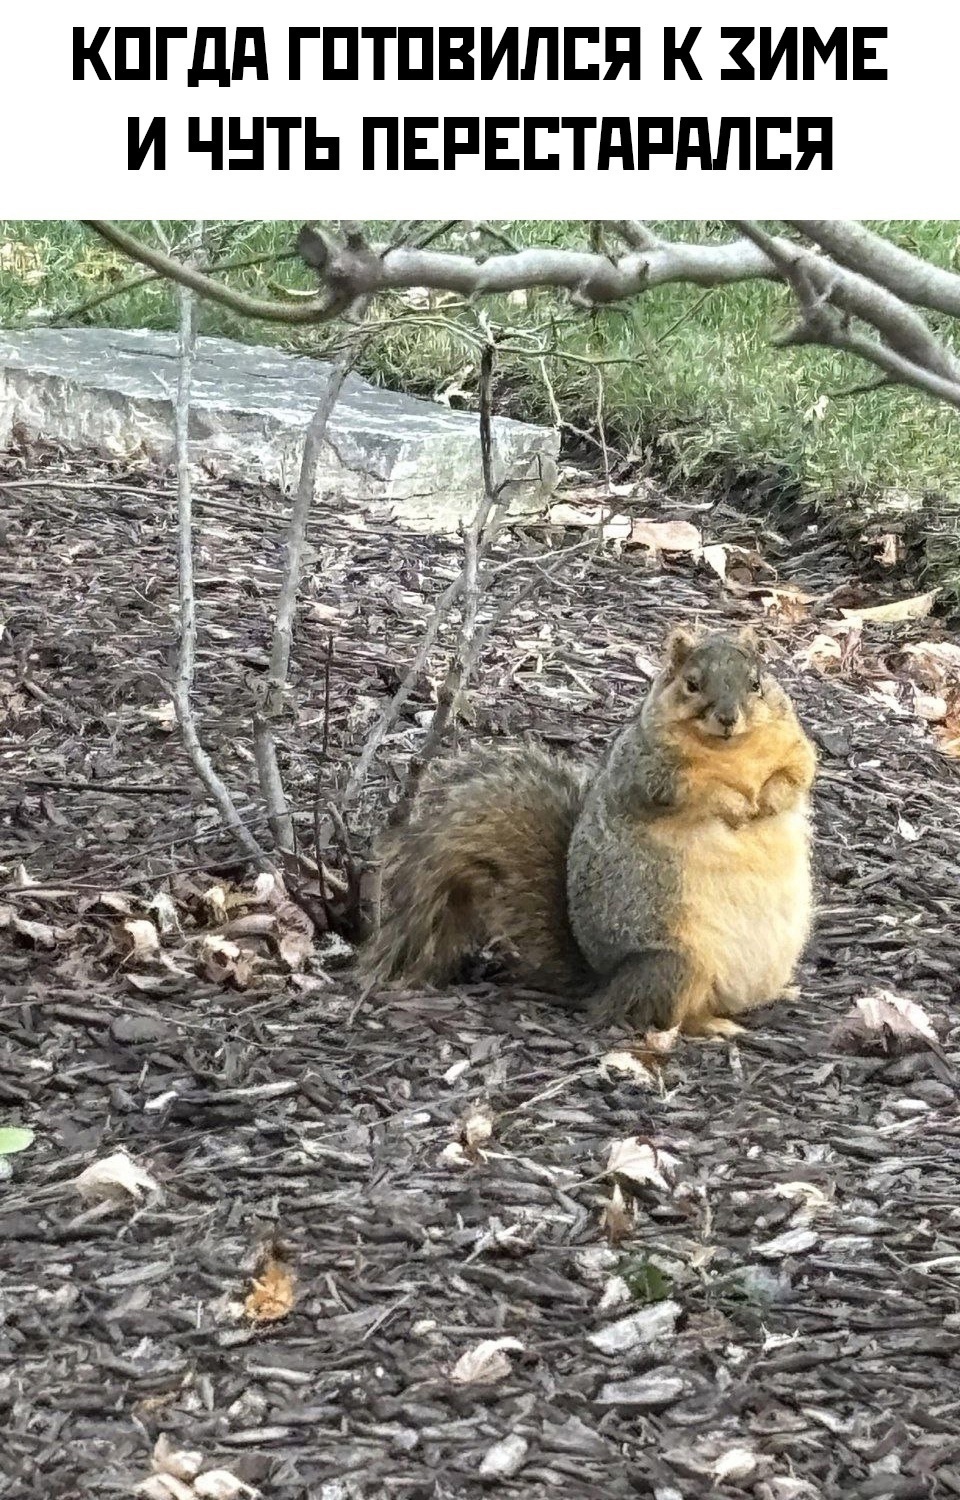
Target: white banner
<point x="217" y="110"/>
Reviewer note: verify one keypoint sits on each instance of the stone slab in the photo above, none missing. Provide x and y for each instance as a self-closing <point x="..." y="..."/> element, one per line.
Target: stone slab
<point x="113" y="390"/>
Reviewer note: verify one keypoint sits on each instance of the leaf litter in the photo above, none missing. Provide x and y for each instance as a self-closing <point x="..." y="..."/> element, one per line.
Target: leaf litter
<point x="799" y="1208"/>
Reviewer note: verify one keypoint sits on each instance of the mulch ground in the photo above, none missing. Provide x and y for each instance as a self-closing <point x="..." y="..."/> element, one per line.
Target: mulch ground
<point x="431" y="1167"/>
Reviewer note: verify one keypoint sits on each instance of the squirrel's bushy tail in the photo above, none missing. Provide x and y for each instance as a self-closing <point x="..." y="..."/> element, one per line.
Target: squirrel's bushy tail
<point x="482" y="863"/>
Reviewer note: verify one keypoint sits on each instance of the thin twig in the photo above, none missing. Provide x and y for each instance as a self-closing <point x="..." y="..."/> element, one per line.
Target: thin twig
<point x="186" y="657"/>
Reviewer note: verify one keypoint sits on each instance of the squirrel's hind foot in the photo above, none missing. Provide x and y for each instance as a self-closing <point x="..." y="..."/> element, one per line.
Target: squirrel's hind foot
<point x="643" y="992"/>
<point x="709" y="1027"/>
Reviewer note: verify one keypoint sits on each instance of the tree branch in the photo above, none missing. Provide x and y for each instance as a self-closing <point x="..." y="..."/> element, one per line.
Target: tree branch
<point x="911" y="356"/>
<point x="909" y="277"/>
<point x="186" y="657"/>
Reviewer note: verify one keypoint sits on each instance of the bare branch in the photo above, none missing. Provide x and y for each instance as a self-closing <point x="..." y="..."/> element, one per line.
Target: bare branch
<point x="183" y="682"/>
<point x="354" y="270"/>
<point x="296" y="532"/>
<point x="909" y="277"/>
<point x="912" y="356"/>
<point x="316" y="310"/>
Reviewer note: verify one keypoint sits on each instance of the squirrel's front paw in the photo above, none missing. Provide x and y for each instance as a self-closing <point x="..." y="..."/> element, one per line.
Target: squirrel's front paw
<point x="778" y="794"/>
<point x="736" y="809"/>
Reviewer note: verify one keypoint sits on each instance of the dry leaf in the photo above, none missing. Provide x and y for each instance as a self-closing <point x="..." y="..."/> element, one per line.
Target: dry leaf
<point x="295" y="935"/>
<point x="165" y="1487"/>
<point x="716" y="558"/>
<point x="272" y="1294"/>
<point x="665" y="536"/>
<point x="505" y="1458"/>
<point x="140" y="939"/>
<point x="786" y="604"/>
<point x="220" y="1484"/>
<point x="892" y="1021"/>
<point x="915" y="608"/>
<point x="167" y="919"/>
<point x="475" y="1129"/>
<point x="823" y="651"/>
<point x="117" y="901"/>
<point x="165" y="717"/>
<point x="628" y="1062"/>
<point x="812" y="1200"/>
<point x="930" y="707"/>
<point x="485" y="1363"/>
<point x="182" y="1463"/>
<point x="225" y="962"/>
<point x="215" y="897"/>
<point x="890" y="549"/>
<point x="615" y="527"/>
<point x="41" y="934"/>
<point x="641" y="1163"/>
<point x="617" y="1218"/>
<point x="116" y="1177"/>
<point x="735" y="1464"/>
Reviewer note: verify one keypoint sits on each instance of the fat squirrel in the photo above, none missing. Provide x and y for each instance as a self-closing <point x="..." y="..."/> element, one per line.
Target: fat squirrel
<point x="670" y="887"/>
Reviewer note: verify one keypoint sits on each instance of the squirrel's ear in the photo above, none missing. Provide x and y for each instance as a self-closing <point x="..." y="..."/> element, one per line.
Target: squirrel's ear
<point x="678" y="645"/>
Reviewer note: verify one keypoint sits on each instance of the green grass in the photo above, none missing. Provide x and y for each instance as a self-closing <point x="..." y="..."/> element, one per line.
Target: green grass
<point x="699" y="389"/>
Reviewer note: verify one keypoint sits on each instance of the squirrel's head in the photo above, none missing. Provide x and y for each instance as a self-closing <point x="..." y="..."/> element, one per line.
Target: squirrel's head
<point x="714" y="682"/>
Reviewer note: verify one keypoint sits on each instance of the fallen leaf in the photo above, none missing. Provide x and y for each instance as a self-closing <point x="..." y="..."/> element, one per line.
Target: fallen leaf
<point x="665" y="536"/>
<point x="272" y="1295"/>
<point x="294" y="934"/>
<point x="889" y="1021"/>
<point x="735" y="1464"/>
<point x="715" y="557"/>
<point x="618" y="1216"/>
<point x="915" y="608"/>
<point x="117" y="901"/>
<point x="823" y="651"/>
<point x="220" y="1484"/>
<point x="790" y="605"/>
<point x="476" y="1128"/>
<point x="485" y="1363"/>
<point x="115" y="1177"/>
<point x="182" y="1463"/>
<point x="40" y="934"/>
<point x="890" y="549"/>
<point x="641" y="1163"/>
<point x="615" y="527"/>
<point x="140" y="939"/>
<point x="167" y="918"/>
<point x="224" y="962"/>
<point x="627" y="1062"/>
<point x="165" y="717"/>
<point x="812" y="1200"/>
<point x="215" y="897"/>
<point x="165" y="1487"/>
<point x="505" y="1458"/>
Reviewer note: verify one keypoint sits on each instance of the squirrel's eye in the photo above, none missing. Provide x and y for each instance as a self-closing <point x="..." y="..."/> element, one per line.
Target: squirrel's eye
<point x="756" y="686"/>
<point x="692" y="685"/>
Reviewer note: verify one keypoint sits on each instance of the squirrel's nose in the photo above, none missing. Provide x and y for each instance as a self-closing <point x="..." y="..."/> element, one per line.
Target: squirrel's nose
<point x="726" y="717"/>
